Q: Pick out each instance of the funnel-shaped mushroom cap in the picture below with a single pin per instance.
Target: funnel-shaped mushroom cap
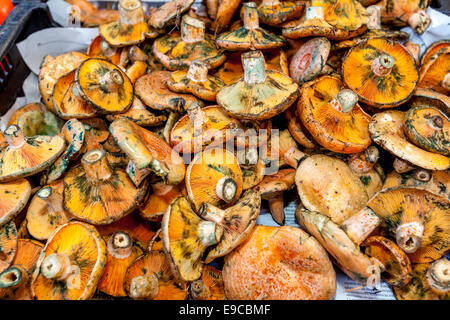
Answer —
(139, 114)
(420, 287)
(406, 12)
(97, 193)
(177, 50)
(121, 252)
(213, 177)
(397, 267)
(168, 13)
(196, 81)
(209, 286)
(14, 281)
(314, 25)
(435, 71)
(261, 94)
(147, 150)
(129, 29)
(39, 123)
(153, 91)
(14, 197)
(383, 73)
(159, 200)
(8, 244)
(67, 101)
(203, 127)
(344, 14)
(150, 278)
(35, 106)
(275, 12)
(104, 85)
(250, 36)
(46, 213)
(25, 156)
(428, 128)
(237, 222)
(279, 263)
(53, 70)
(70, 264)
(386, 129)
(338, 195)
(332, 116)
(186, 237)
(418, 220)
(348, 257)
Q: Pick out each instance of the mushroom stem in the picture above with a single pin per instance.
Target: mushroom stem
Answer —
(364, 161)
(382, 65)
(131, 12)
(374, 21)
(446, 82)
(254, 67)
(107, 50)
(414, 49)
(13, 277)
(120, 245)
(315, 11)
(198, 71)
(56, 266)
(192, 30)
(409, 236)
(211, 213)
(293, 157)
(14, 136)
(251, 19)
(226, 189)
(144, 287)
(136, 54)
(402, 166)
(52, 199)
(422, 175)
(111, 81)
(419, 21)
(199, 291)
(270, 3)
(359, 226)
(344, 101)
(276, 206)
(438, 276)
(209, 233)
(96, 165)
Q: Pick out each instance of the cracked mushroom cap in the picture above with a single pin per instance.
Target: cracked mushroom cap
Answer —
(8, 244)
(386, 129)
(152, 89)
(237, 222)
(275, 12)
(382, 73)
(150, 277)
(338, 195)
(279, 263)
(406, 12)
(345, 251)
(121, 253)
(104, 85)
(261, 94)
(203, 127)
(70, 265)
(177, 50)
(209, 286)
(213, 177)
(14, 197)
(186, 237)
(46, 213)
(15, 281)
(148, 151)
(159, 200)
(97, 193)
(250, 36)
(53, 70)
(168, 13)
(418, 220)
(332, 115)
(129, 29)
(25, 156)
(435, 71)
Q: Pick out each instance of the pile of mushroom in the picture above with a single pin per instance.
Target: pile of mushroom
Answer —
(143, 171)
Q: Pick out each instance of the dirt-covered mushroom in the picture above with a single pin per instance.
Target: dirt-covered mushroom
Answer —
(279, 263)
(25, 156)
(331, 114)
(8, 244)
(260, 94)
(159, 200)
(382, 72)
(46, 213)
(70, 265)
(386, 129)
(14, 197)
(275, 12)
(250, 36)
(148, 151)
(418, 220)
(435, 71)
(209, 286)
(97, 193)
(213, 177)
(104, 85)
(150, 277)
(168, 13)
(186, 237)
(177, 50)
(129, 29)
